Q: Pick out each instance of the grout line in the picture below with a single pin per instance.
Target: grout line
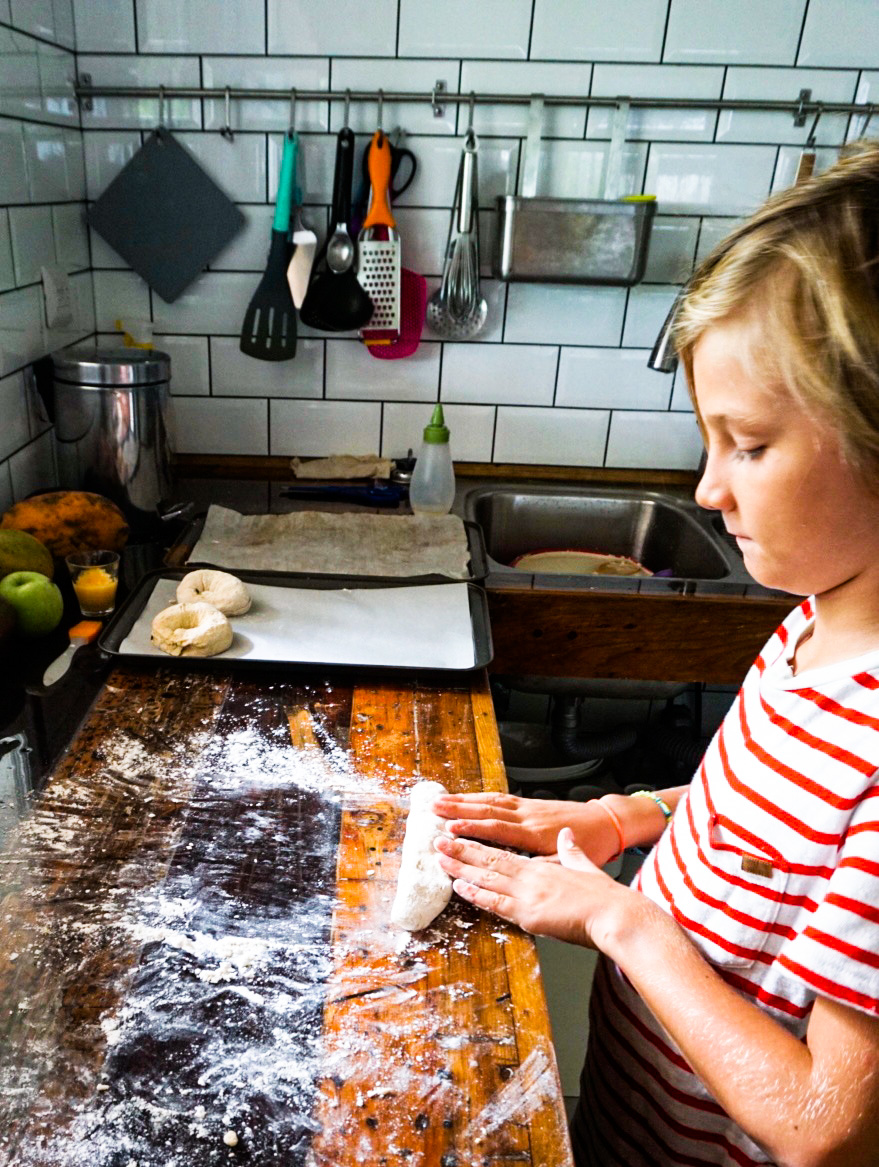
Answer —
(558, 366)
(610, 414)
(802, 32)
(774, 169)
(665, 31)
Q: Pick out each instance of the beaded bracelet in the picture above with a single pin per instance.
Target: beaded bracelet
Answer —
(614, 818)
(654, 797)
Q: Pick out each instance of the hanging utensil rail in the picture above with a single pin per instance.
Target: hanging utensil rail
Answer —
(800, 107)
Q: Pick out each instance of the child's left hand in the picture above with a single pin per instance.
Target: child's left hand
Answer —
(571, 900)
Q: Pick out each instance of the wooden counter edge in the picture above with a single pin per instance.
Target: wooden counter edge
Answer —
(548, 1126)
(624, 636)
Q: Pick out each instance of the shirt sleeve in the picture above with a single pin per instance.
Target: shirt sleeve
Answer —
(837, 951)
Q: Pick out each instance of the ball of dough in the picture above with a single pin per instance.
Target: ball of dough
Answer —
(226, 592)
(191, 630)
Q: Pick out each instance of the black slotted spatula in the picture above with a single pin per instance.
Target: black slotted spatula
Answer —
(269, 329)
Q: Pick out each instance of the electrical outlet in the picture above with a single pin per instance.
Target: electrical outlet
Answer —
(57, 296)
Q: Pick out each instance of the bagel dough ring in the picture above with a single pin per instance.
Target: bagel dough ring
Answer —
(197, 629)
(226, 592)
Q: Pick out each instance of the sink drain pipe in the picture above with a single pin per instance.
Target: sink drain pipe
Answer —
(677, 745)
(585, 745)
(579, 745)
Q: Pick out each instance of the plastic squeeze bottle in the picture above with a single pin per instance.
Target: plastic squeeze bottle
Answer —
(432, 489)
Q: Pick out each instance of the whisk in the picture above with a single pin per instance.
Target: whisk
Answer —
(464, 270)
(457, 310)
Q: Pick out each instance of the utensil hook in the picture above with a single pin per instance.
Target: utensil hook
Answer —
(292, 126)
(810, 141)
(381, 102)
(347, 108)
(227, 131)
(470, 110)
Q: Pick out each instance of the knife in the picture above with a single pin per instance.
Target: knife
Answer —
(82, 633)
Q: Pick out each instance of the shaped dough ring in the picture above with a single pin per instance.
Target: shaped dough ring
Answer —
(191, 630)
(226, 592)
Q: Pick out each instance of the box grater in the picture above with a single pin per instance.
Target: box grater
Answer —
(378, 262)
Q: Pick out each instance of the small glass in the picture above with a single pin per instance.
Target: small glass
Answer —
(95, 576)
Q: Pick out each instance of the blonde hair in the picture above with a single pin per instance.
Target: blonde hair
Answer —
(805, 266)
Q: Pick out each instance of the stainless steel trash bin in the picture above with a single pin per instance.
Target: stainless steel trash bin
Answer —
(110, 411)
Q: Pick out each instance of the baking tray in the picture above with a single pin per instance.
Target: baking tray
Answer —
(178, 553)
(125, 621)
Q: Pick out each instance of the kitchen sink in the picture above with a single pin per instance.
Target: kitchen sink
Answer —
(668, 534)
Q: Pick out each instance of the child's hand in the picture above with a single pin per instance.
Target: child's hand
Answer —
(573, 900)
(528, 824)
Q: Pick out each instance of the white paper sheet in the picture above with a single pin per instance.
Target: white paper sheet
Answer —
(427, 627)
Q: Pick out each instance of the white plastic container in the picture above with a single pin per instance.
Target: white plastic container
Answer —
(432, 489)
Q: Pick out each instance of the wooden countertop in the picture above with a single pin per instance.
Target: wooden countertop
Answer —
(194, 940)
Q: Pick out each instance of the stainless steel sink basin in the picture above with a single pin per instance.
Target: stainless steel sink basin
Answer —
(665, 533)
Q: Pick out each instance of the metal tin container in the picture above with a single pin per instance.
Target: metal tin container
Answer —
(110, 408)
(572, 241)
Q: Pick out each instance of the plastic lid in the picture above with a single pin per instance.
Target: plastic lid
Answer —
(86, 365)
(437, 432)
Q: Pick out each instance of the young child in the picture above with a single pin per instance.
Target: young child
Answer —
(735, 1012)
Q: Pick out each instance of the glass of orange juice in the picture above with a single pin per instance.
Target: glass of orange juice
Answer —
(95, 575)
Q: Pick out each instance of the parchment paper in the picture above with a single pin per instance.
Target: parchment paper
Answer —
(426, 626)
(329, 543)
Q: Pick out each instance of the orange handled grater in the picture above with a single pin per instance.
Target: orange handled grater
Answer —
(378, 264)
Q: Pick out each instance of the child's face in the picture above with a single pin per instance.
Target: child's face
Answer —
(803, 522)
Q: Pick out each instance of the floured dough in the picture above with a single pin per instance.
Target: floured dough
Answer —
(191, 630)
(226, 592)
(423, 888)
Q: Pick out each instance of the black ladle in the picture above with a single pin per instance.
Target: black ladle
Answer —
(336, 301)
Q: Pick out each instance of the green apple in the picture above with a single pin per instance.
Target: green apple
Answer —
(37, 601)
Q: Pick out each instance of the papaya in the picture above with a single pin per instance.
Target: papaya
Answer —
(65, 521)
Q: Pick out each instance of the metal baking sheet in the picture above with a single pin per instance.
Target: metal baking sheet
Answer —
(308, 621)
(178, 554)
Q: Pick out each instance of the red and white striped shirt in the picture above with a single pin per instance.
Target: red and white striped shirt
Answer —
(771, 866)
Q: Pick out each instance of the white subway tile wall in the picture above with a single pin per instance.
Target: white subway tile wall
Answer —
(558, 375)
(42, 222)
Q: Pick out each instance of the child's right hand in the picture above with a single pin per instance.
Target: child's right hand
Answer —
(528, 824)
